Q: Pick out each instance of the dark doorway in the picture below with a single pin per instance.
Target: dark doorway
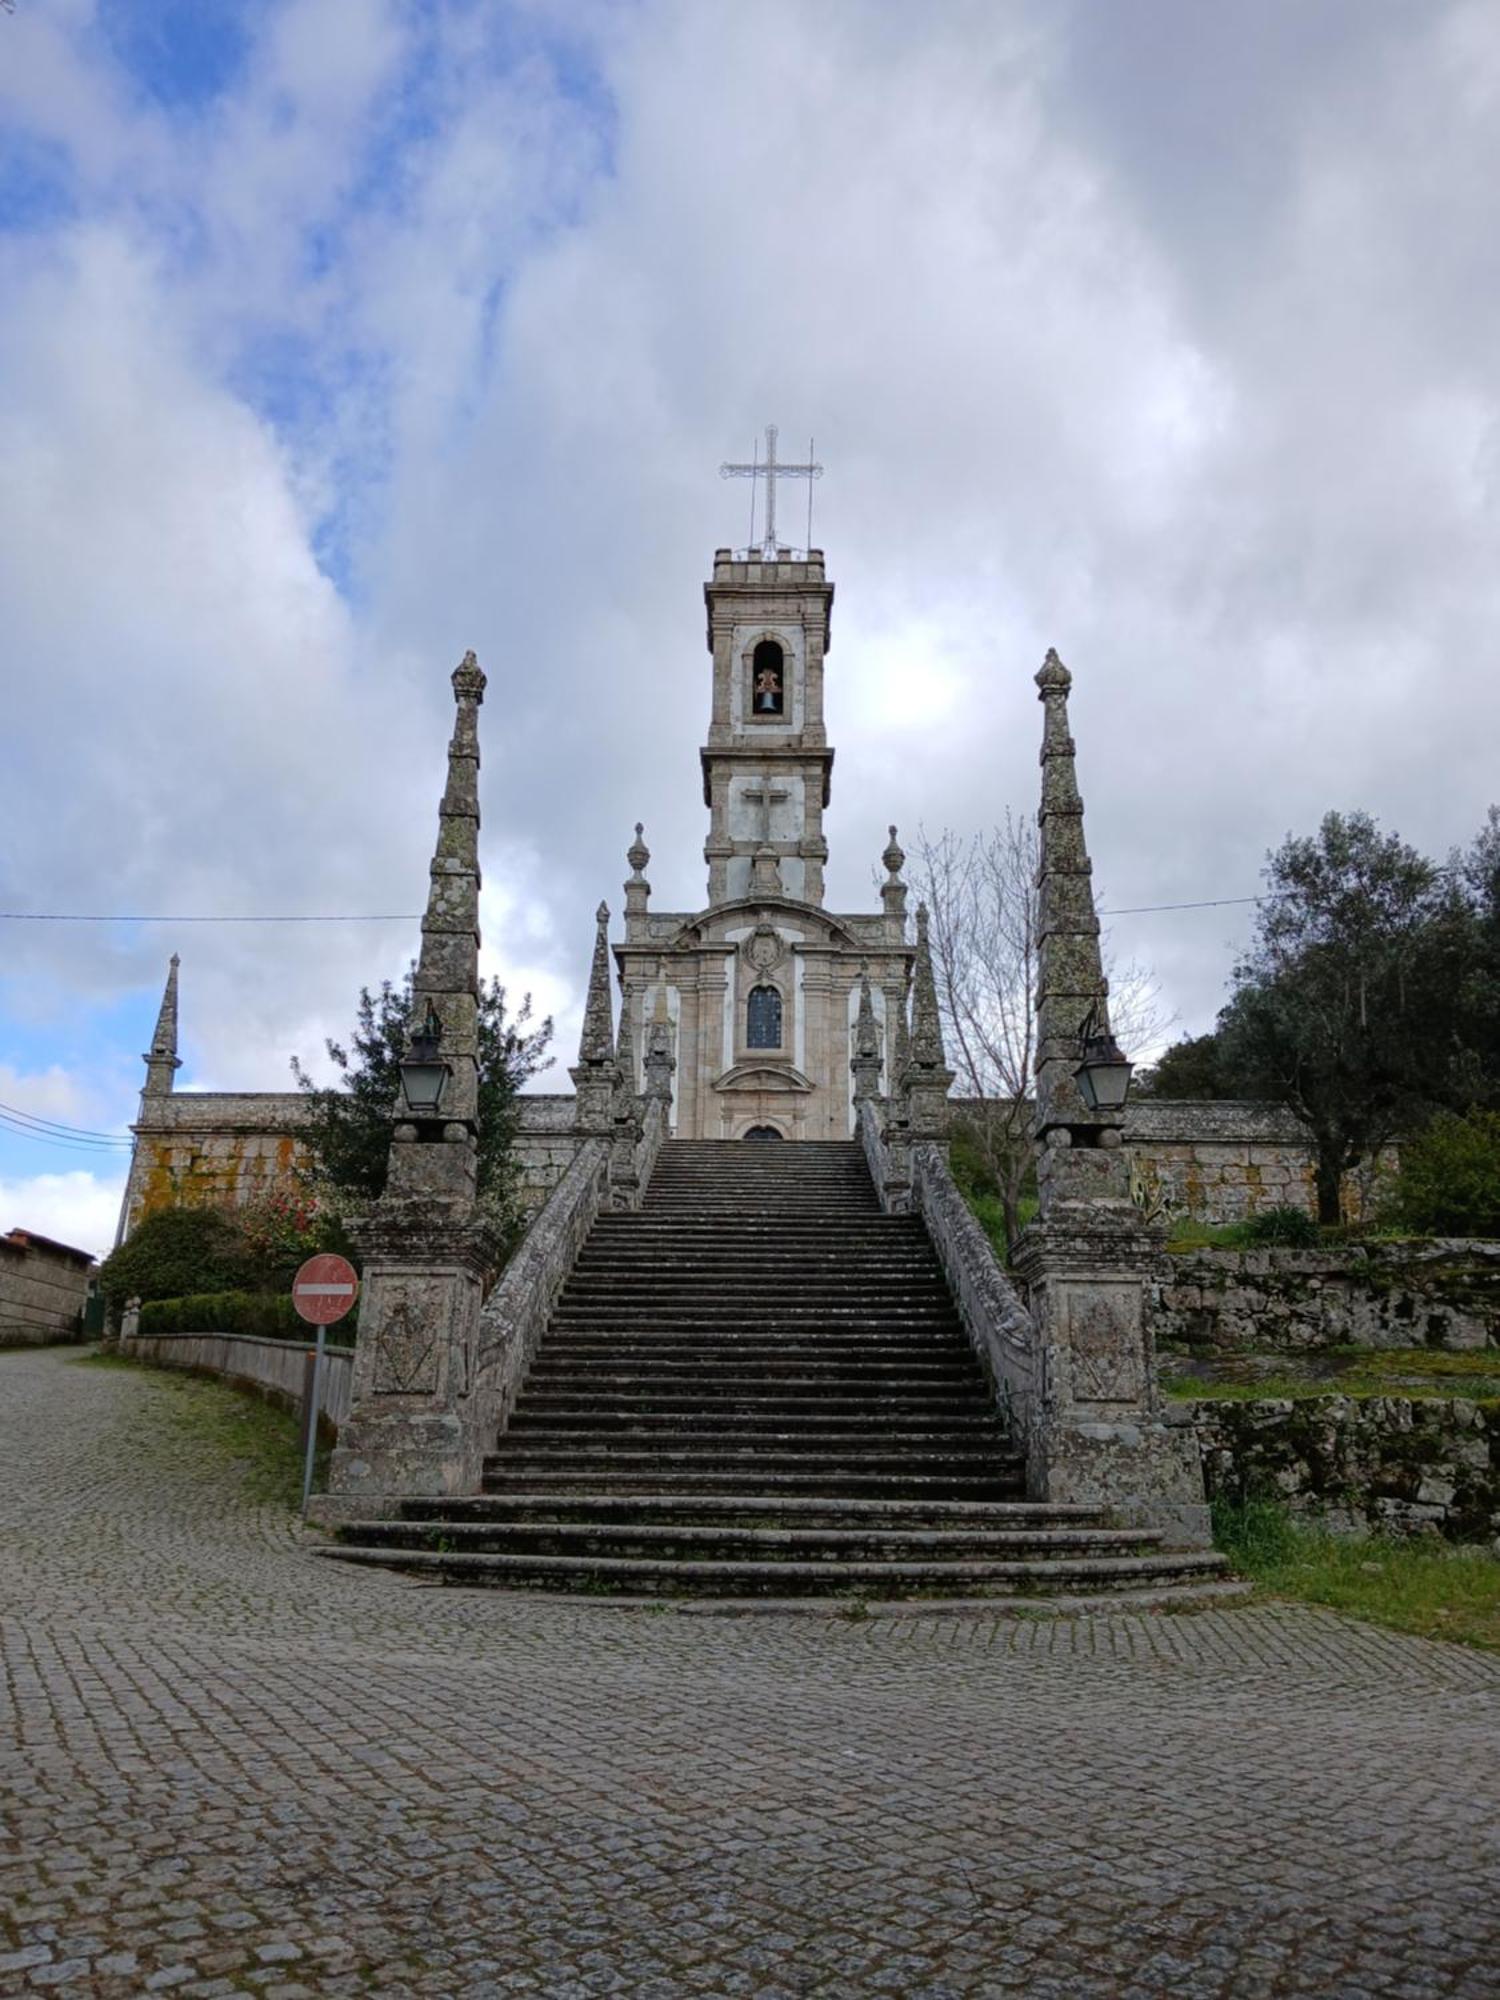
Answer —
(762, 1132)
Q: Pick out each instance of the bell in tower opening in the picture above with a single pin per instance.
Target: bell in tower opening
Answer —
(768, 674)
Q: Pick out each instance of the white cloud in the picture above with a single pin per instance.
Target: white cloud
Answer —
(1169, 347)
(80, 1208)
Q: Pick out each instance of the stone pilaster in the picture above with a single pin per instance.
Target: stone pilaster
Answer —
(424, 1248)
(1100, 1434)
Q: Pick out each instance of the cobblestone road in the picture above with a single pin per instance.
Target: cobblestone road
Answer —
(226, 1767)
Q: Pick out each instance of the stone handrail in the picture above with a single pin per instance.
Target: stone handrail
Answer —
(886, 1165)
(997, 1323)
(518, 1309)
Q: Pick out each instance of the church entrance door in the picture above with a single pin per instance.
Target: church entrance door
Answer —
(762, 1132)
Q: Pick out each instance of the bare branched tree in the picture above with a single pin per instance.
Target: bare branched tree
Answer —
(981, 897)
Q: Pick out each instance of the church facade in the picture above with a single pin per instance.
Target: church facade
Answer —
(761, 984)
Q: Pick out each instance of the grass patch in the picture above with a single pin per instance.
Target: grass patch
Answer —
(1421, 1373)
(255, 1440)
(1416, 1586)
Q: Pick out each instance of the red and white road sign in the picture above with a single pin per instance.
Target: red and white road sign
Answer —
(325, 1288)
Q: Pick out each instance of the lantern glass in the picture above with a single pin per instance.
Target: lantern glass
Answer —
(1104, 1074)
(424, 1083)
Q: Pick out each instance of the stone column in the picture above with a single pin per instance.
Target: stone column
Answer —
(1099, 1434)
(426, 1252)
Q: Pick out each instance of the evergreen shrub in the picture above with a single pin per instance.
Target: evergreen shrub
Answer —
(174, 1252)
(1290, 1228)
(270, 1315)
(1448, 1183)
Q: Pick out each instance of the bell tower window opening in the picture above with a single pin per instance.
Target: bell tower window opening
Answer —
(768, 679)
(763, 1018)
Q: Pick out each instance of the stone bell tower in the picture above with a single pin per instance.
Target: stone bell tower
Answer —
(767, 764)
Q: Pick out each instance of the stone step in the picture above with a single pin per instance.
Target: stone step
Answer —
(755, 1510)
(805, 1325)
(999, 1577)
(614, 1406)
(638, 1431)
(759, 1543)
(1000, 1483)
(753, 1459)
(828, 1356)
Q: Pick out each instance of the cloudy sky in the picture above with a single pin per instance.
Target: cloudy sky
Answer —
(337, 336)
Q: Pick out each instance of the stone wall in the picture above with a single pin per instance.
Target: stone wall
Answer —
(43, 1286)
(197, 1148)
(1402, 1294)
(219, 1148)
(1386, 1464)
(1220, 1160)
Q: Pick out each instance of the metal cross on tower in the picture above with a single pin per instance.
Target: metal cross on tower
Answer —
(771, 469)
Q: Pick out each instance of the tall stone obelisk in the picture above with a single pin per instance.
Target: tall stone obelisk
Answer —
(1098, 1430)
(426, 1250)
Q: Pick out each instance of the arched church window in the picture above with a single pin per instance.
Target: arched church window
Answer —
(768, 679)
(763, 1018)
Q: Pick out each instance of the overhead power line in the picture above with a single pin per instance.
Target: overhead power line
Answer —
(69, 1131)
(89, 917)
(115, 1149)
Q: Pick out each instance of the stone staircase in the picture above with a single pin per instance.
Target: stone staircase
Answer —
(758, 1385)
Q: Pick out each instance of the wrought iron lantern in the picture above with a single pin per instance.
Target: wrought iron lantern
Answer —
(1104, 1073)
(424, 1071)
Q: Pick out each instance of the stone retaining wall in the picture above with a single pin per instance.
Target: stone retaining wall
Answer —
(276, 1367)
(1437, 1293)
(1391, 1464)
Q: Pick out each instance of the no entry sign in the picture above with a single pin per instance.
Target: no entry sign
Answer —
(325, 1289)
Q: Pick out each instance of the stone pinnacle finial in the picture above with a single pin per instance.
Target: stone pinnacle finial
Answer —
(164, 1041)
(161, 1059)
(894, 857)
(468, 680)
(865, 1062)
(893, 889)
(638, 853)
(926, 1021)
(660, 1060)
(596, 1043)
(1052, 676)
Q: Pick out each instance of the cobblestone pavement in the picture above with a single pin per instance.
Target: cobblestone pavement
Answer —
(226, 1767)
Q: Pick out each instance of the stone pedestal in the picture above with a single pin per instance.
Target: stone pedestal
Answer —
(424, 1271)
(1100, 1434)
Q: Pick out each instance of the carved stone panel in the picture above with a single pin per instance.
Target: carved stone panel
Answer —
(412, 1325)
(1102, 1327)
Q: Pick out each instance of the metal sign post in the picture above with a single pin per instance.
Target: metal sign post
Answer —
(323, 1291)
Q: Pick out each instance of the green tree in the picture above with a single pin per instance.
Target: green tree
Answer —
(349, 1129)
(1338, 1008)
(1194, 1067)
